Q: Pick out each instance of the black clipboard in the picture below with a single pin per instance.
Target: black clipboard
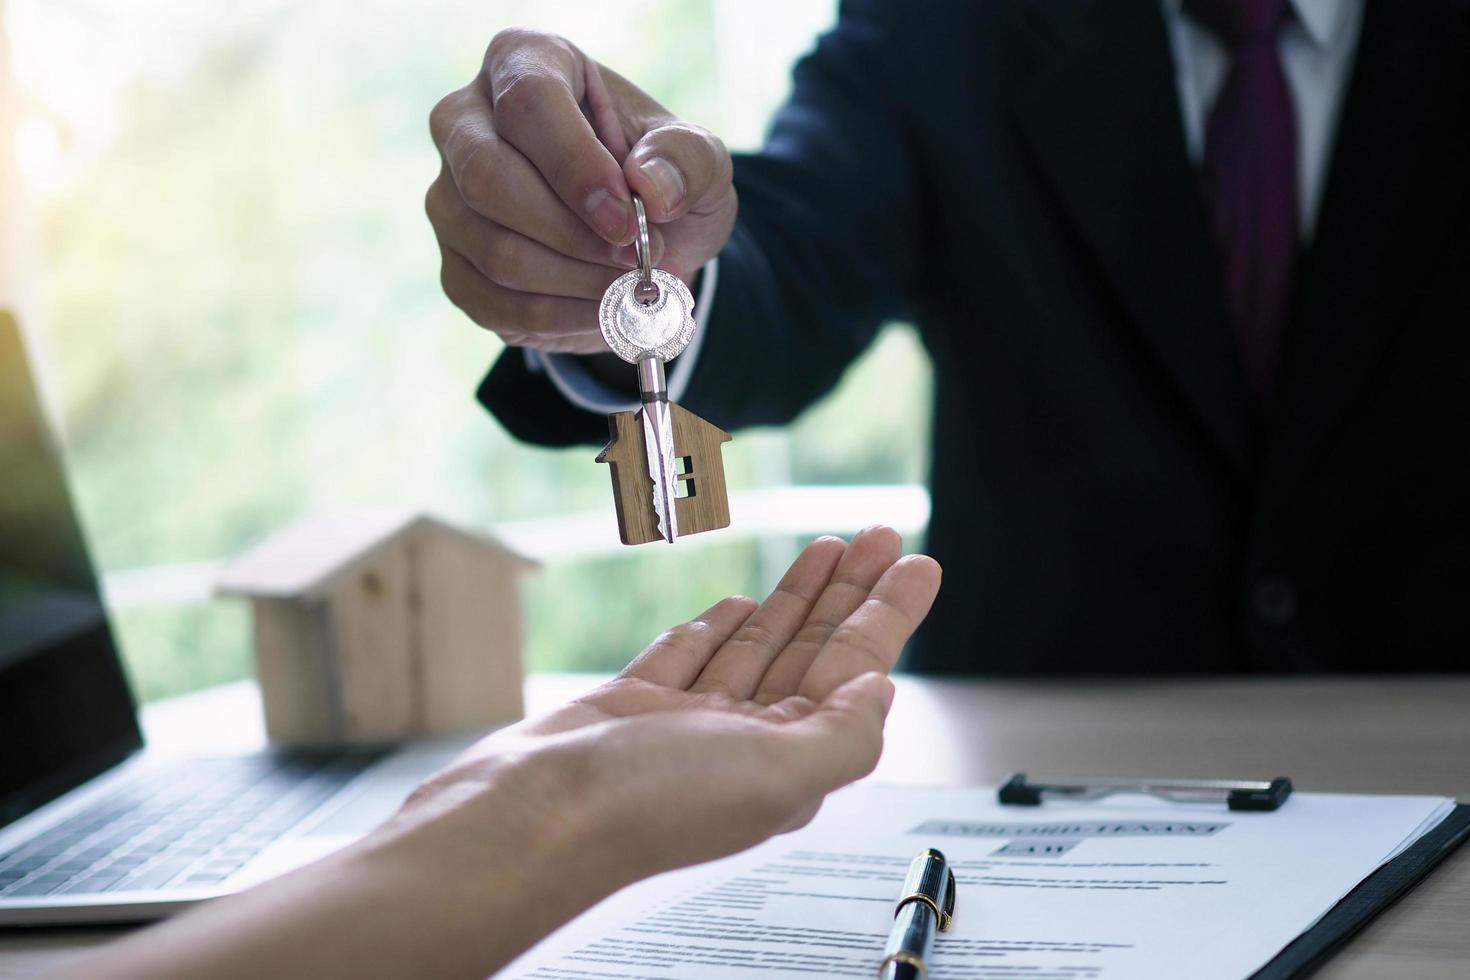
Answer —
(1304, 954)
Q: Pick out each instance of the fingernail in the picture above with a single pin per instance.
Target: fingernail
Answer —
(609, 215)
(666, 179)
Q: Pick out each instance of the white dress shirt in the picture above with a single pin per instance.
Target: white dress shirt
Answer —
(1317, 47)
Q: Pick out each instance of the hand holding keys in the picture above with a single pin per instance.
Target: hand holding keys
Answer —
(647, 318)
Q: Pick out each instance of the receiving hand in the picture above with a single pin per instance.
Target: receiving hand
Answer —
(729, 728)
(532, 207)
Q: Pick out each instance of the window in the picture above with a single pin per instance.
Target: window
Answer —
(238, 296)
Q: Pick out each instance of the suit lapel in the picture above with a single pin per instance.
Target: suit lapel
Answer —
(1101, 114)
(1396, 184)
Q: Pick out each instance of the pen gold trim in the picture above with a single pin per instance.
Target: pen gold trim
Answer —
(925, 905)
(943, 915)
(908, 959)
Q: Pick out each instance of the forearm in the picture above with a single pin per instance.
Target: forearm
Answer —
(827, 245)
(663, 767)
(455, 892)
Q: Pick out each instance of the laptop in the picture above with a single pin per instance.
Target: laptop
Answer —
(93, 827)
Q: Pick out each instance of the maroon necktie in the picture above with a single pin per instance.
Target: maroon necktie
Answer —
(1249, 184)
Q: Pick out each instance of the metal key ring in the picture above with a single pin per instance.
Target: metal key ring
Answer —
(647, 290)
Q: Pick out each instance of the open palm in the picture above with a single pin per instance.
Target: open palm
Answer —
(840, 611)
(728, 729)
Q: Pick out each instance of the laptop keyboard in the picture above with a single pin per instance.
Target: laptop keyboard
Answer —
(189, 823)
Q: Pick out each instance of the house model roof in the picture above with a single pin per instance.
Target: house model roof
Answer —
(308, 558)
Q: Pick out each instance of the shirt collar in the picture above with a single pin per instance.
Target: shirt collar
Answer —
(1321, 19)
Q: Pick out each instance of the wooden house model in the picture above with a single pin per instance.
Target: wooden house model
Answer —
(703, 503)
(374, 626)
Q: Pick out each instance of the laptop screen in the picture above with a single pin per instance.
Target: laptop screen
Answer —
(66, 713)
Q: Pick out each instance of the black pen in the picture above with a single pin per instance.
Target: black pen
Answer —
(925, 904)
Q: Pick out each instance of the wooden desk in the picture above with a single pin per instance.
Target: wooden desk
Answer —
(1355, 735)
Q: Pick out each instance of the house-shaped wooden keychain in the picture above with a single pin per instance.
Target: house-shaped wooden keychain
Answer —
(701, 504)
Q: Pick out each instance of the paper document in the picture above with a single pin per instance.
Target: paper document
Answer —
(1126, 887)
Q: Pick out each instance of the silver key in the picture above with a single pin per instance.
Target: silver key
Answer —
(647, 318)
(635, 329)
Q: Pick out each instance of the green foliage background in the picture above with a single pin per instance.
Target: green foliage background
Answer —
(242, 297)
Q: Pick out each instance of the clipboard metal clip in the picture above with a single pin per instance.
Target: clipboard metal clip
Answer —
(1237, 794)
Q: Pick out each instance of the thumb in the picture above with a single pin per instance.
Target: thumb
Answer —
(677, 166)
(842, 740)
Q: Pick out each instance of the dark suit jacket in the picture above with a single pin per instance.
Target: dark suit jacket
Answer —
(1013, 177)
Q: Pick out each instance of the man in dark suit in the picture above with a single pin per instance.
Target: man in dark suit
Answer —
(1192, 275)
